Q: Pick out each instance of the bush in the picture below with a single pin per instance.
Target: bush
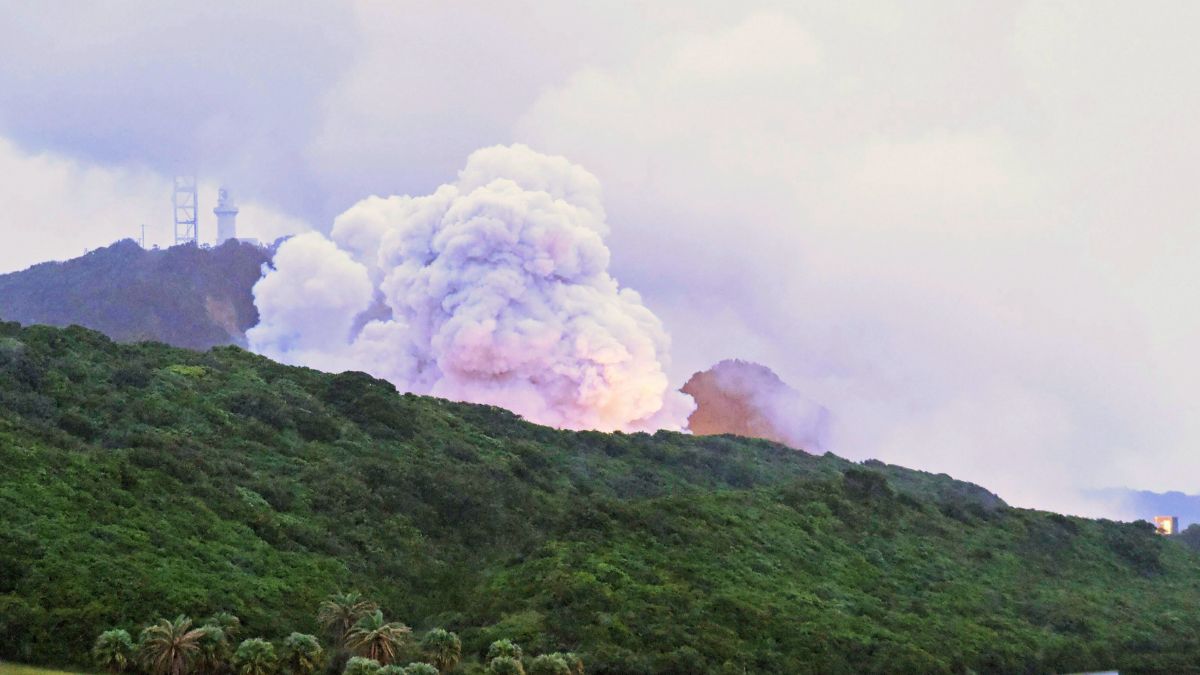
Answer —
(866, 485)
(255, 657)
(113, 650)
(442, 648)
(302, 654)
(504, 648)
(549, 664)
(359, 665)
(505, 665)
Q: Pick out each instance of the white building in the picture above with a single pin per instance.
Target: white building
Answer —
(226, 212)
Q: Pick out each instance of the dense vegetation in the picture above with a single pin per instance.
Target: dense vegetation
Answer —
(185, 296)
(141, 481)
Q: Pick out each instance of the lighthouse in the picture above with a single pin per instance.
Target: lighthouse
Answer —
(226, 212)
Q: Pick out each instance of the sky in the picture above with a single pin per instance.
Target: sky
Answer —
(967, 229)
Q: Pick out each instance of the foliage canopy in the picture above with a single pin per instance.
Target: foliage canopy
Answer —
(141, 480)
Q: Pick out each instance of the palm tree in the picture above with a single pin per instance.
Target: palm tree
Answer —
(301, 654)
(255, 657)
(341, 611)
(505, 665)
(442, 648)
(113, 650)
(167, 646)
(360, 666)
(504, 648)
(228, 623)
(375, 638)
(573, 662)
(549, 664)
(213, 650)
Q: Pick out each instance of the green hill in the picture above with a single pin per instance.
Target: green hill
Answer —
(185, 296)
(142, 481)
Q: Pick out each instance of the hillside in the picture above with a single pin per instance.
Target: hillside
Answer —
(141, 481)
(184, 296)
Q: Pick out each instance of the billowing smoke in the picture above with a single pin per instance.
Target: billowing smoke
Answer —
(493, 289)
(747, 399)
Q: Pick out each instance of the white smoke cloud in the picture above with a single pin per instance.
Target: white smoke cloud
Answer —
(313, 278)
(967, 228)
(493, 289)
(981, 264)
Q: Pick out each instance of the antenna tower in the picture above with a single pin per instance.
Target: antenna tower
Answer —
(186, 209)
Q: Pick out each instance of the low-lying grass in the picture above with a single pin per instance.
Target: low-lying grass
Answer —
(7, 668)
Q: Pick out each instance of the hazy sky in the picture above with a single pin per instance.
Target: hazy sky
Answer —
(968, 228)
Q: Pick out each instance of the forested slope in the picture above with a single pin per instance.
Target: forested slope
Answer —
(142, 481)
(185, 296)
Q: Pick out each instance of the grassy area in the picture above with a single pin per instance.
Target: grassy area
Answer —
(7, 668)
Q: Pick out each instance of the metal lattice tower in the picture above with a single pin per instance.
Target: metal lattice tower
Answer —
(186, 209)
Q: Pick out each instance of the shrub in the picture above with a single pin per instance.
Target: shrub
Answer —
(442, 648)
(301, 654)
(549, 664)
(505, 665)
(212, 652)
(865, 485)
(501, 648)
(361, 666)
(255, 657)
(113, 650)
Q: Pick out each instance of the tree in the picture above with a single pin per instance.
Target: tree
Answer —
(549, 664)
(420, 669)
(504, 648)
(340, 611)
(301, 654)
(375, 638)
(392, 670)
(166, 647)
(573, 662)
(442, 648)
(361, 666)
(255, 657)
(212, 654)
(113, 650)
(505, 665)
(229, 624)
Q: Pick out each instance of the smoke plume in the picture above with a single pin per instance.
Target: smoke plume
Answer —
(747, 399)
(493, 289)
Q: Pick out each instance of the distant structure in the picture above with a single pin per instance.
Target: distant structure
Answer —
(1167, 525)
(186, 208)
(226, 212)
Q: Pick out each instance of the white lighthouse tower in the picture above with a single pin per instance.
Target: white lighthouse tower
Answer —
(226, 217)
